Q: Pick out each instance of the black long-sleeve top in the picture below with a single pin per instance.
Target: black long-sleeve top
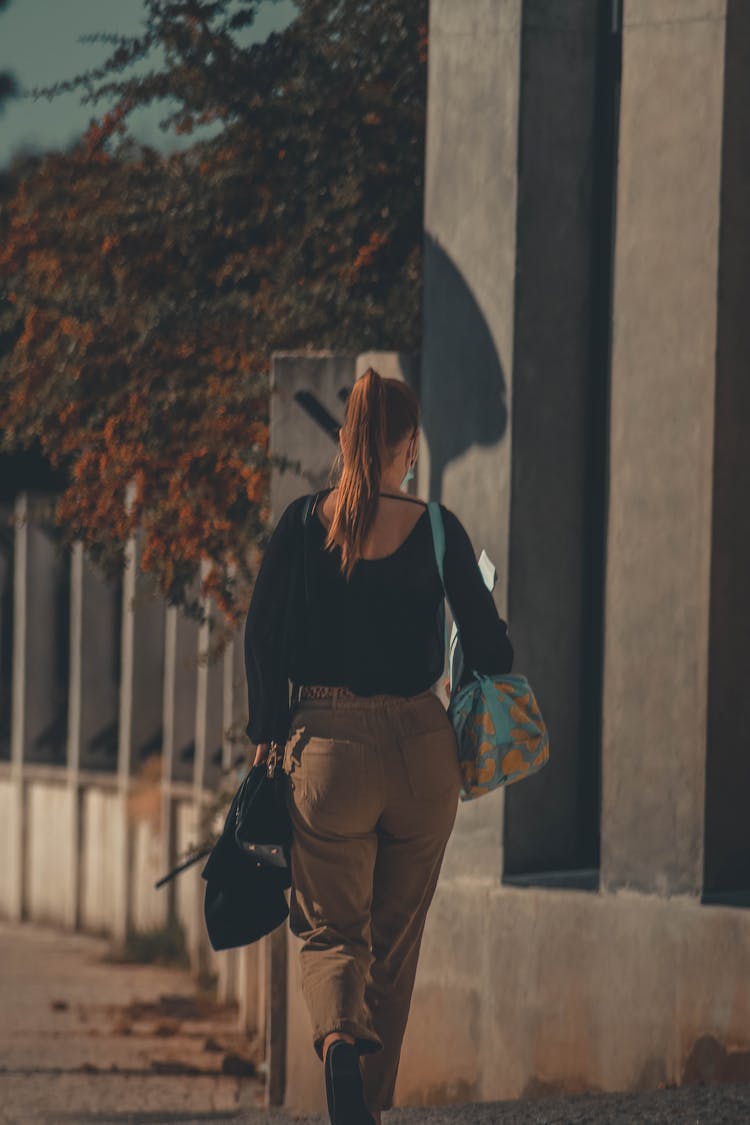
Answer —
(380, 632)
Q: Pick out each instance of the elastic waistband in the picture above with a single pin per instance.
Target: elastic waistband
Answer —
(325, 695)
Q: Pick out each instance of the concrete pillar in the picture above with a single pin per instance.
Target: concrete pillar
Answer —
(662, 445)
(469, 288)
(17, 831)
(209, 704)
(168, 826)
(248, 989)
(140, 704)
(209, 755)
(235, 967)
(6, 629)
(122, 919)
(201, 700)
(75, 694)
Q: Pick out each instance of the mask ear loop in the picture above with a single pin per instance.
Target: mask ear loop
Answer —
(410, 471)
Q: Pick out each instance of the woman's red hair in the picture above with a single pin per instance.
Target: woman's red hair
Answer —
(380, 412)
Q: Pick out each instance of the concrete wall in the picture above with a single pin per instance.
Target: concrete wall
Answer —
(661, 446)
(470, 248)
(9, 835)
(533, 1003)
(515, 993)
(102, 842)
(49, 820)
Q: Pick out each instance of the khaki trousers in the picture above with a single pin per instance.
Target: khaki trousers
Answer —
(373, 793)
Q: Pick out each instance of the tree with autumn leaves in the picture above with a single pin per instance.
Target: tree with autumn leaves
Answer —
(143, 294)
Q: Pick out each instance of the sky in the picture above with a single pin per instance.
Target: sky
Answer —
(39, 45)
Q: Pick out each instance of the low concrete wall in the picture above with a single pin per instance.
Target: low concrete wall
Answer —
(49, 825)
(526, 991)
(9, 813)
(148, 905)
(529, 991)
(101, 845)
(190, 886)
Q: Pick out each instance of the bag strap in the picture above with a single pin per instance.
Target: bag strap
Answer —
(438, 536)
(438, 543)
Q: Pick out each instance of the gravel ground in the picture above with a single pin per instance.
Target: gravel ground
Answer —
(694, 1105)
(727, 1104)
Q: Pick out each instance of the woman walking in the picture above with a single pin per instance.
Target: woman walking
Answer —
(371, 754)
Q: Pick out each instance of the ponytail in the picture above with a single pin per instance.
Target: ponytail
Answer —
(363, 438)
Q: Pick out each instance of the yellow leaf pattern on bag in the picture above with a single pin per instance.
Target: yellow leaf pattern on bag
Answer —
(490, 757)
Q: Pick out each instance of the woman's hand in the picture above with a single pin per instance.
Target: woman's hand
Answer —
(261, 753)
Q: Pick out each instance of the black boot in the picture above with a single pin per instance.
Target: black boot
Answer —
(346, 1102)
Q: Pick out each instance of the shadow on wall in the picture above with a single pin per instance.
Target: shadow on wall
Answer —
(464, 396)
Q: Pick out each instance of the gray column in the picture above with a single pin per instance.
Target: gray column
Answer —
(140, 704)
(661, 446)
(201, 702)
(17, 832)
(6, 628)
(168, 818)
(469, 287)
(75, 694)
(248, 988)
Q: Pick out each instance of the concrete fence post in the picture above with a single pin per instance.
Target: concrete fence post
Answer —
(17, 857)
(168, 839)
(121, 919)
(73, 750)
(231, 978)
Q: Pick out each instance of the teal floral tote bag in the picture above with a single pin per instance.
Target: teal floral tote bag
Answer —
(500, 732)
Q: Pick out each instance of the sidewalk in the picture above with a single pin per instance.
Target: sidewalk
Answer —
(85, 1041)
